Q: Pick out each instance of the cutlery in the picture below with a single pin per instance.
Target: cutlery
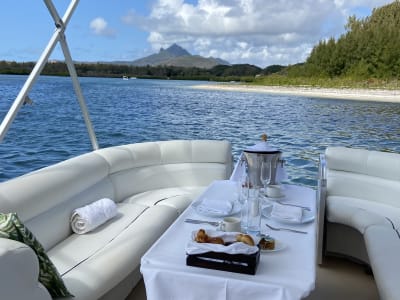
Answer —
(285, 229)
(303, 207)
(192, 221)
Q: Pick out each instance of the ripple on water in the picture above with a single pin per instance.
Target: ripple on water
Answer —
(133, 111)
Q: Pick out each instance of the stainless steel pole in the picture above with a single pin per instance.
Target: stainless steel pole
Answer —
(58, 36)
(71, 67)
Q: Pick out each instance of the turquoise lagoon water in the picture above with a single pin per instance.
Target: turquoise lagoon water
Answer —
(131, 111)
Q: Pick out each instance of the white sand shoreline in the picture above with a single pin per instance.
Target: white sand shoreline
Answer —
(378, 95)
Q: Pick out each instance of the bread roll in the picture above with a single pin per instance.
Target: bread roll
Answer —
(201, 236)
(245, 238)
(215, 240)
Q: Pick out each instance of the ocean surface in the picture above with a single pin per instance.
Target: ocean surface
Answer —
(131, 111)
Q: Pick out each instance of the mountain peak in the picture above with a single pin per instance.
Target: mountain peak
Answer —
(175, 55)
(175, 50)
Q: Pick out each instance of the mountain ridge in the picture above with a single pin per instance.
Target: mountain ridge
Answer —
(177, 56)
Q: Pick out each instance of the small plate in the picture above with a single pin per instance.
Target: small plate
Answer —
(307, 217)
(278, 247)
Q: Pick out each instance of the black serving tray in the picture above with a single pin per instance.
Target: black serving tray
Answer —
(238, 263)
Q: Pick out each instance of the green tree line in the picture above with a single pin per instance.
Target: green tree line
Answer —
(370, 48)
(239, 72)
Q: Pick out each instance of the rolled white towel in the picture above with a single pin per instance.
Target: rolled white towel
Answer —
(87, 218)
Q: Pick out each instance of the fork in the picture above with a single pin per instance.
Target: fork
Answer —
(284, 229)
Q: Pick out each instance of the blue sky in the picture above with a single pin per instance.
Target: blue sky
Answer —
(260, 32)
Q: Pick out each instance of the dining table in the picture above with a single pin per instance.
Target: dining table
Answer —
(287, 272)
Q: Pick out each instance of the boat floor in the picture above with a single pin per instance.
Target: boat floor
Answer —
(337, 278)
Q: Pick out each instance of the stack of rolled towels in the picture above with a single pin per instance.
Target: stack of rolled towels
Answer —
(89, 217)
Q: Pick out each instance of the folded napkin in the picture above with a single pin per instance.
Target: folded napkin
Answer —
(194, 247)
(87, 218)
(215, 205)
(288, 213)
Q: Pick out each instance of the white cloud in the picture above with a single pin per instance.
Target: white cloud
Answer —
(99, 26)
(248, 31)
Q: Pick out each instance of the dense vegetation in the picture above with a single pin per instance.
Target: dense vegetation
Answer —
(366, 55)
(242, 72)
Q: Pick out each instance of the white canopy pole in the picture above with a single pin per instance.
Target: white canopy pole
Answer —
(71, 67)
(58, 36)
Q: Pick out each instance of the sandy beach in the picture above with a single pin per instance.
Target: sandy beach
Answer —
(378, 95)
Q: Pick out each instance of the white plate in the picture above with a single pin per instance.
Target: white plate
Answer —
(307, 217)
(278, 247)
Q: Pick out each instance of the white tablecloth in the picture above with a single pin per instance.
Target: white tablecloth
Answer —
(285, 274)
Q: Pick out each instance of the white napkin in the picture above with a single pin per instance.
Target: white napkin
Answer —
(194, 247)
(87, 218)
(285, 212)
(215, 205)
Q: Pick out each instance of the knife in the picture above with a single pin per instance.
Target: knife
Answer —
(193, 221)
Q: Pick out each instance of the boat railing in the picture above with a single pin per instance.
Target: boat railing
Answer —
(57, 37)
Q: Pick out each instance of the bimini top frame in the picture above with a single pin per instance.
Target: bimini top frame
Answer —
(58, 36)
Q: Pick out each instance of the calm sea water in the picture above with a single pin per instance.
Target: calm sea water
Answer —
(130, 111)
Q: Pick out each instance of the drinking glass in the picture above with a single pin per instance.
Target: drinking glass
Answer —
(243, 196)
(253, 212)
(265, 174)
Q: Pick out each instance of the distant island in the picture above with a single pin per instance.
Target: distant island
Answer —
(367, 55)
(177, 56)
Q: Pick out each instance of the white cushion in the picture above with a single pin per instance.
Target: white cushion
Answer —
(66, 255)
(343, 212)
(19, 267)
(139, 180)
(167, 152)
(362, 186)
(37, 192)
(372, 163)
(383, 245)
(119, 252)
(360, 213)
(177, 197)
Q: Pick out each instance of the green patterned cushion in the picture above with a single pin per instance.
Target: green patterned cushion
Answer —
(12, 228)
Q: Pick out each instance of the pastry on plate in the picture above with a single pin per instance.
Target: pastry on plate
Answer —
(267, 243)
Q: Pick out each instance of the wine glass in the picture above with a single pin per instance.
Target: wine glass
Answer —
(265, 175)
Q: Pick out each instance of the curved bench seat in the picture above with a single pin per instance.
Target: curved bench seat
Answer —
(383, 245)
(151, 183)
(360, 214)
(362, 211)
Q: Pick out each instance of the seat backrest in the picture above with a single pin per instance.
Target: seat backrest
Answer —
(363, 174)
(45, 199)
(137, 168)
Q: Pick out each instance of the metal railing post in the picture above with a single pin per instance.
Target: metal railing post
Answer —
(58, 36)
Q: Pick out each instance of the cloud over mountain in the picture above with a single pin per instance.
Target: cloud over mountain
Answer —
(254, 31)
